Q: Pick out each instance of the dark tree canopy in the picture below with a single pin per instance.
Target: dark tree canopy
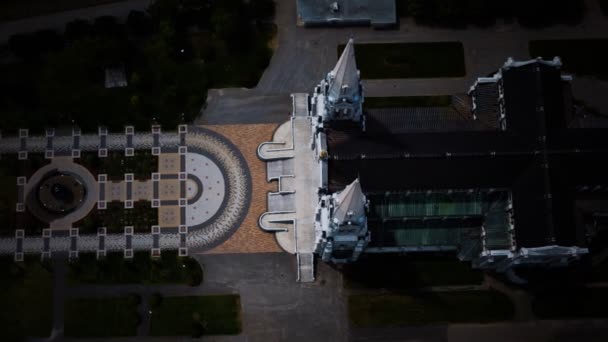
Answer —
(171, 55)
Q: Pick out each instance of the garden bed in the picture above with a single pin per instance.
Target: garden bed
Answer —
(101, 317)
(453, 307)
(8, 203)
(10, 165)
(116, 164)
(409, 60)
(142, 269)
(116, 217)
(196, 316)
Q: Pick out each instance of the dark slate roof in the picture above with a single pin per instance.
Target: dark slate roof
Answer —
(538, 158)
(391, 174)
(487, 109)
(420, 119)
(534, 100)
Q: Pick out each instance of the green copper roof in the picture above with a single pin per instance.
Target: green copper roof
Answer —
(440, 218)
(422, 204)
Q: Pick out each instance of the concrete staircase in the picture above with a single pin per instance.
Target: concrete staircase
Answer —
(306, 267)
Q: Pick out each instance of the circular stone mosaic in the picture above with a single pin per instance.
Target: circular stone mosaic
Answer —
(218, 188)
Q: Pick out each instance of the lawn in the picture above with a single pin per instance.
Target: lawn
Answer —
(101, 317)
(584, 57)
(114, 269)
(398, 272)
(196, 316)
(10, 165)
(26, 294)
(407, 101)
(8, 202)
(10, 169)
(460, 14)
(453, 307)
(571, 303)
(17, 9)
(409, 60)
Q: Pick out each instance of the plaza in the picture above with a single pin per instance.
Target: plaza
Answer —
(200, 191)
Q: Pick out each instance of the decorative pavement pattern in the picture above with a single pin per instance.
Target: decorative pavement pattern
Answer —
(249, 238)
(213, 180)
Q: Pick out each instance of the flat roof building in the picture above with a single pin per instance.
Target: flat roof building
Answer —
(375, 13)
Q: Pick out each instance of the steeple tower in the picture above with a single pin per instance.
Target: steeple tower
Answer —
(343, 89)
(350, 205)
(341, 224)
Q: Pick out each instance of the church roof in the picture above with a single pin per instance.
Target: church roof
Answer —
(350, 203)
(345, 76)
(537, 158)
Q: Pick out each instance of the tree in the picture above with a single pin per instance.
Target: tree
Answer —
(78, 29)
(139, 23)
(25, 46)
(108, 26)
(49, 40)
(164, 10)
(262, 9)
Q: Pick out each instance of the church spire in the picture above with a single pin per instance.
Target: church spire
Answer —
(344, 78)
(343, 88)
(350, 205)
